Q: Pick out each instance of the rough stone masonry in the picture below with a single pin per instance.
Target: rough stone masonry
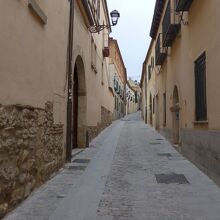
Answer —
(31, 149)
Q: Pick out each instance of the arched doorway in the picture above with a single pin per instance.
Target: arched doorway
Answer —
(175, 109)
(79, 105)
(150, 110)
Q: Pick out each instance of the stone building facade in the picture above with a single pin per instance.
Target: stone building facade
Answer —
(48, 57)
(135, 86)
(131, 104)
(182, 93)
(93, 97)
(32, 95)
(118, 79)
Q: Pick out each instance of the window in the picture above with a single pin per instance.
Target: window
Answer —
(149, 72)
(102, 78)
(136, 97)
(200, 88)
(93, 56)
(152, 62)
(115, 103)
(164, 109)
(153, 105)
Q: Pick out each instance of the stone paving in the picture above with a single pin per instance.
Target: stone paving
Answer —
(120, 178)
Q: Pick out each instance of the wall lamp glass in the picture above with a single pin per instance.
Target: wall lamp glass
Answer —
(114, 17)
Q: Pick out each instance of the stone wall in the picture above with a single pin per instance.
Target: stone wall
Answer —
(106, 120)
(166, 132)
(203, 149)
(106, 117)
(31, 149)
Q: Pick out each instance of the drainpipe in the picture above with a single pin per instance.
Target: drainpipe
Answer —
(69, 90)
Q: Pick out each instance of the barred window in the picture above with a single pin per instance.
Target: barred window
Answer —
(164, 109)
(149, 72)
(200, 88)
(93, 56)
(152, 62)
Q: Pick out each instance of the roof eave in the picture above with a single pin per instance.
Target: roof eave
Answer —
(158, 10)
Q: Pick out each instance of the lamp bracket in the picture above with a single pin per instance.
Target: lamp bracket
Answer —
(98, 28)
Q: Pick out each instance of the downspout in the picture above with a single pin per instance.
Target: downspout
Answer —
(69, 90)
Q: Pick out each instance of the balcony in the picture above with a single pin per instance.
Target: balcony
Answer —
(160, 51)
(171, 24)
(183, 5)
(115, 85)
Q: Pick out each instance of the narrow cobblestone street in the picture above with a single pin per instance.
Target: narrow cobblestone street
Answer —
(129, 172)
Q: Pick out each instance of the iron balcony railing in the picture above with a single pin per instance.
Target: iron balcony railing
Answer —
(160, 51)
(183, 5)
(171, 24)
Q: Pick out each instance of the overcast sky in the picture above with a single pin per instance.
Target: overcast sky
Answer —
(132, 32)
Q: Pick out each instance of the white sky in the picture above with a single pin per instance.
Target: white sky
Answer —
(132, 32)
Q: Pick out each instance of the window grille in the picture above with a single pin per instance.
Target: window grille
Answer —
(200, 88)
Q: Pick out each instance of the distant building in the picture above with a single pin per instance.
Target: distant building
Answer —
(118, 79)
(133, 95)
(134, 84)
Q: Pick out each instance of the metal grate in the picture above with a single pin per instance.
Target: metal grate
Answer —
(81, 161)
(154, 143)
(61, 196)
(171, 178)
(76, 167)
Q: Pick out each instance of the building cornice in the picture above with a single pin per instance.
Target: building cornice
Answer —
(158, 10)
(86, 12)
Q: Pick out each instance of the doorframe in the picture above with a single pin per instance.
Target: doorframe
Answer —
(75, 93)
(175, 110)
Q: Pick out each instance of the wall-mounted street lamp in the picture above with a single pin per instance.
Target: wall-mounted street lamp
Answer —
(114, 17)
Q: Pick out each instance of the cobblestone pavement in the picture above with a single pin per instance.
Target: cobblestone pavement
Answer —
(130, 172)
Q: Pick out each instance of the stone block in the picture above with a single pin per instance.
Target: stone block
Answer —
(31, 147)
(23, 156)
(29, 165)
(202, 148)
(17, 195)
(28, 188)
(3, 209)
(8, 173)
(22, 178)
